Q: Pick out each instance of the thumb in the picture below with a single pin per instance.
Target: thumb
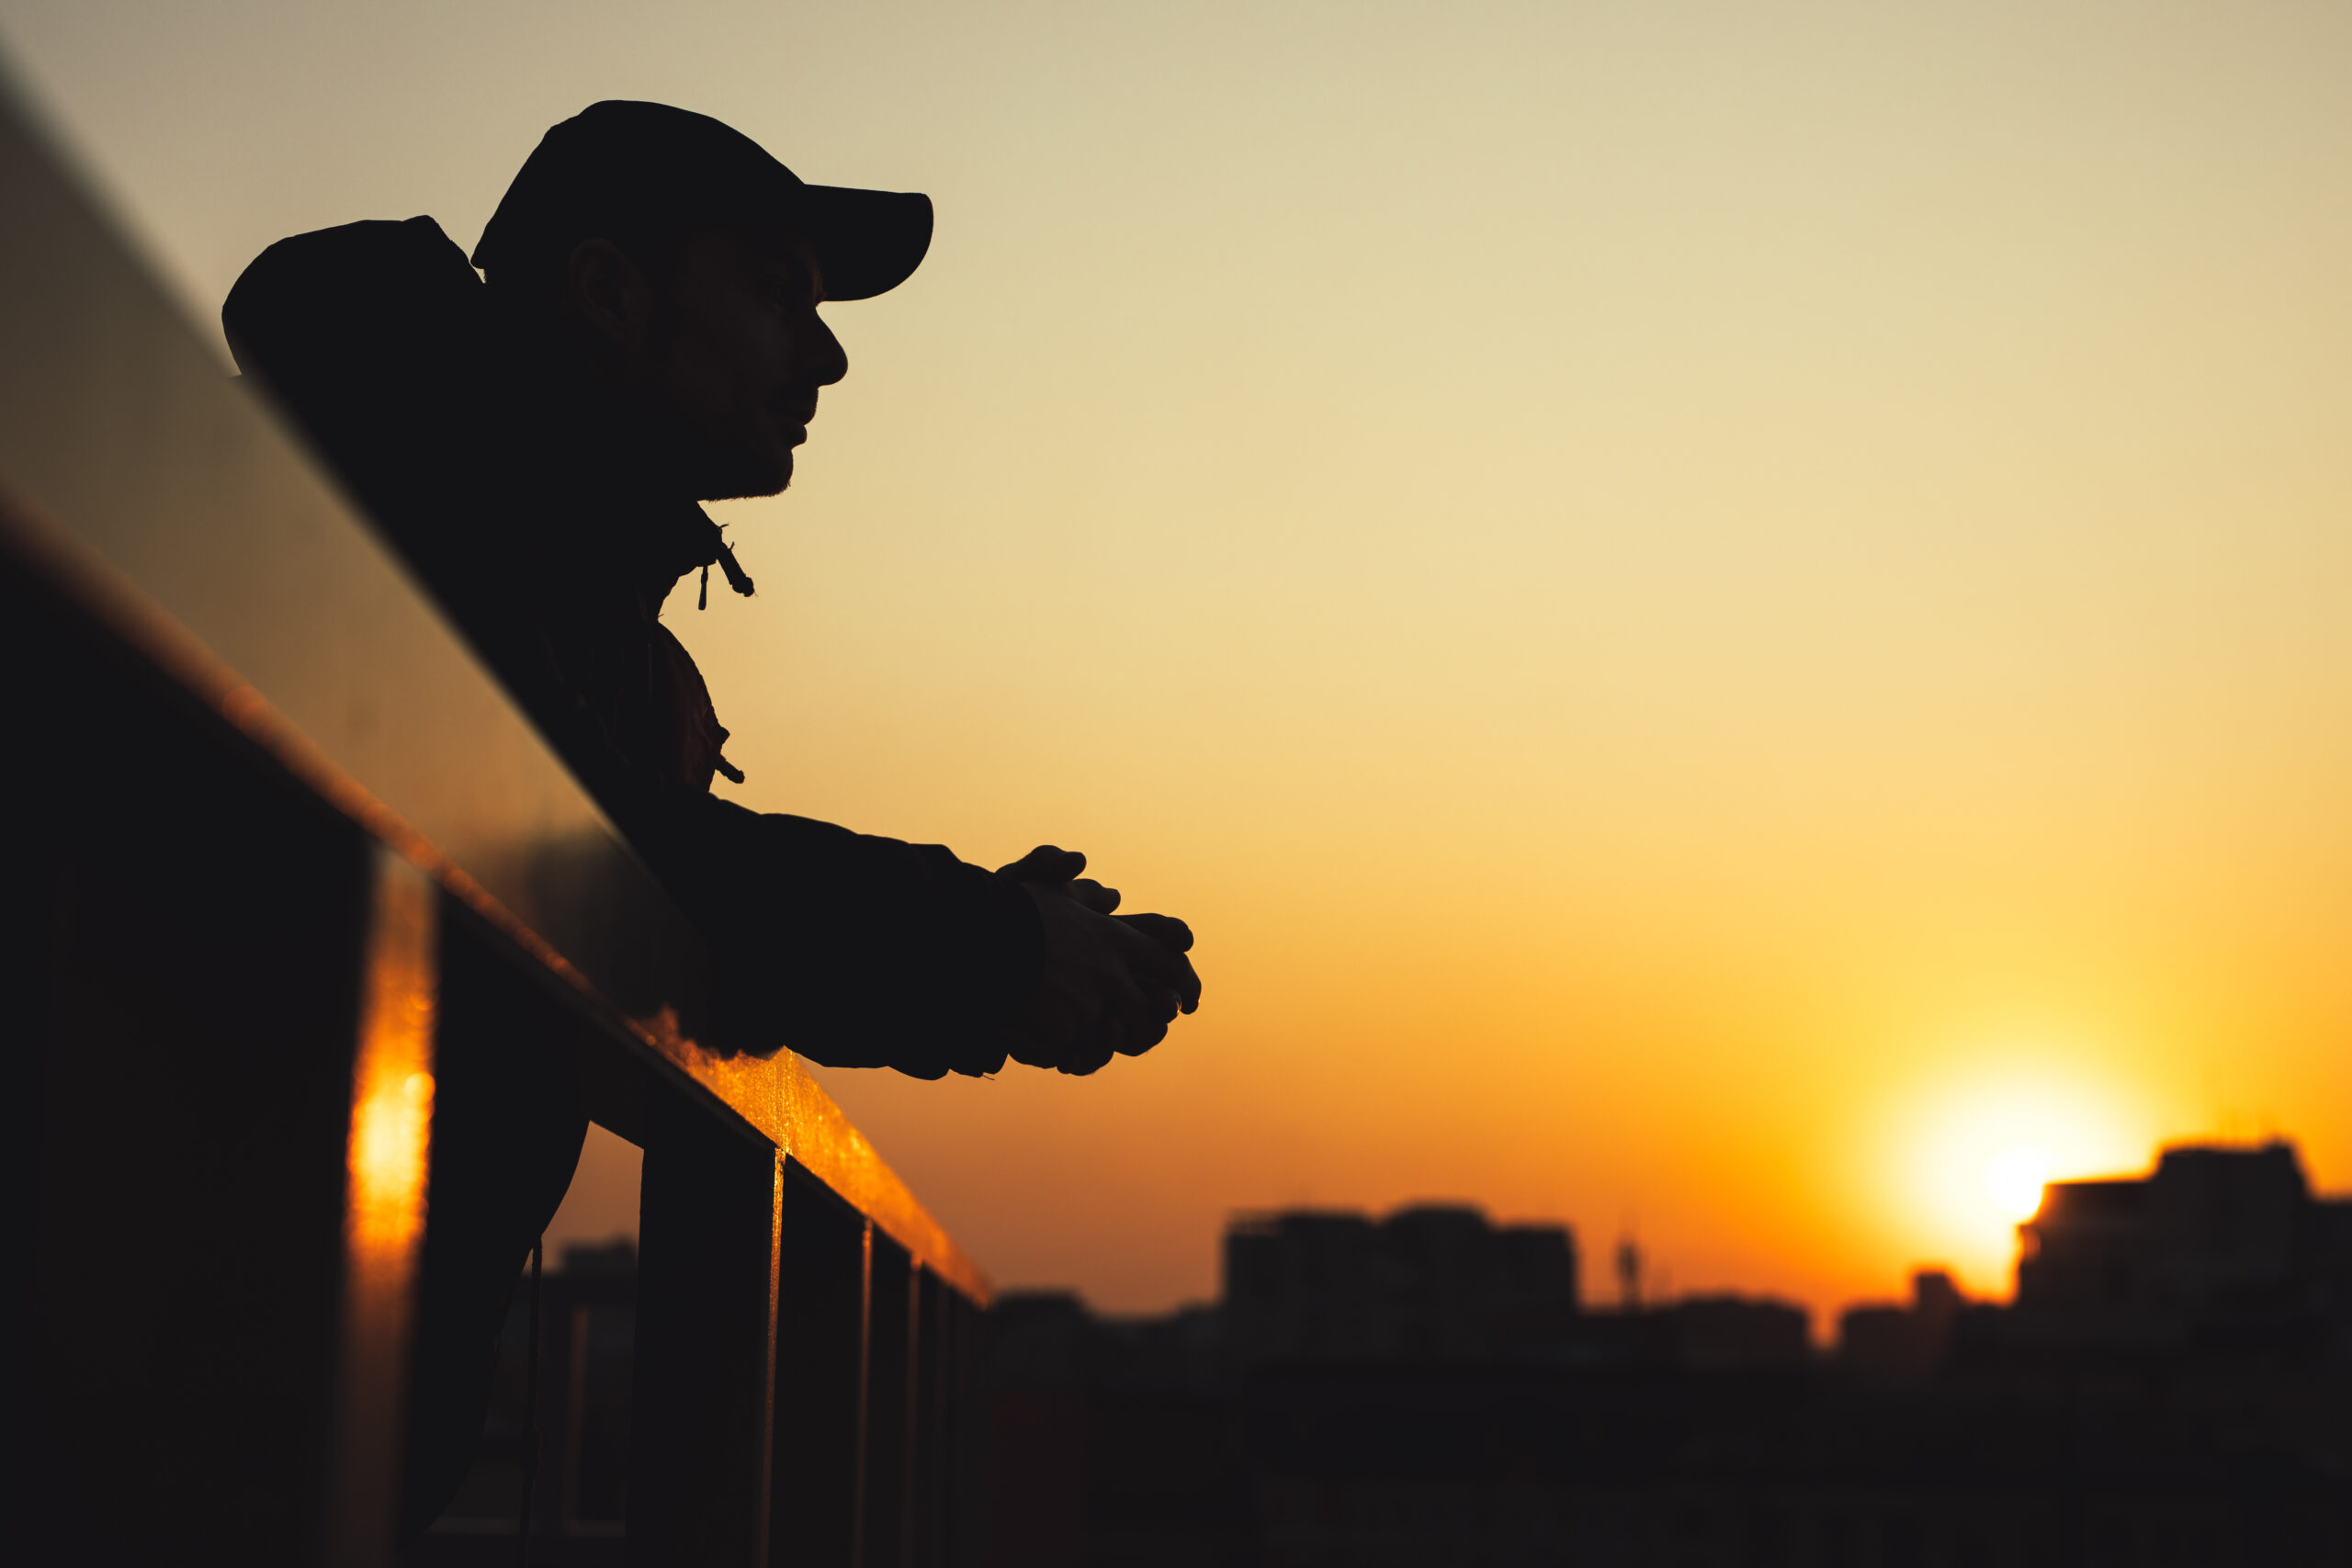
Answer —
(1046, 863)
(1166, 930)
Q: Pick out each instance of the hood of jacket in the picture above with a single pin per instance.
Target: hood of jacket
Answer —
(454, 426)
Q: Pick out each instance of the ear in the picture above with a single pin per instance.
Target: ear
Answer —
(612, 294)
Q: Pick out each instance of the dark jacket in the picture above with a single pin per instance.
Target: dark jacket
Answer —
(515, 499)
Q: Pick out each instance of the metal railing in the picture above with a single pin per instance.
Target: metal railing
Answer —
(276, 842)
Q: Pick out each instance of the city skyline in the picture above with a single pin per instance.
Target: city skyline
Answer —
(1597, 1262)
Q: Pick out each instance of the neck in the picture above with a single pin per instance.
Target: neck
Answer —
(623, 510)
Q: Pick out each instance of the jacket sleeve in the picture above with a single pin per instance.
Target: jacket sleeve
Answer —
(852, 949)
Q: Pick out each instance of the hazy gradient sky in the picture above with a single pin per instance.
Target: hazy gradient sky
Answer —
(1722, 613)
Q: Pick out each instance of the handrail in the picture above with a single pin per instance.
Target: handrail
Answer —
(268, 598)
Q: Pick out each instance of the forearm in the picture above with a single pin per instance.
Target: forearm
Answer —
(850, 949)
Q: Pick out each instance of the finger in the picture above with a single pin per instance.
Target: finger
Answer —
(1093, 1061)
(1030, 1051)
(1138, 1041)
(1093, 1049)
(1045, 1035)
(1166, 930)
(1094, 896)
(1163, 968)
(1114, 1037)
(1046, 863)
(1188, 989)
(1140, 1007)
(1134, 1008)
(1021, 867)
(1147, 1032)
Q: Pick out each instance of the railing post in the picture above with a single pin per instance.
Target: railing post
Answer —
(929, 1442)
(383, 1205)
(703, 1417)
(889, 1387)
(821, 1378)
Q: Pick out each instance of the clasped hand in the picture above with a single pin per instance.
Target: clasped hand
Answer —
(1111, 983)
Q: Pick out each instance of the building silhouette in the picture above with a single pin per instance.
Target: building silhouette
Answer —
(2221, 1251)
(2171, 1385)
(1430, 1283)
(1905, 1342)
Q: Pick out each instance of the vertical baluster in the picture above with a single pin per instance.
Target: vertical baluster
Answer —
(910, 1477)
(534, 1438)
(820, 1382)
(888, 1389)
(859, 1453)
(967, 1430)
(703, 1421)
(930, 1491)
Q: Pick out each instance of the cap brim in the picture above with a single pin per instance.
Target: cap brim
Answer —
(867, 242)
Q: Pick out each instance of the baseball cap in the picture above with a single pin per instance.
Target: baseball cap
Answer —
(621, 168)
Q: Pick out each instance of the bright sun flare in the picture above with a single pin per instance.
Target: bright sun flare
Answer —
(1977, 1150)
(2013, 1180)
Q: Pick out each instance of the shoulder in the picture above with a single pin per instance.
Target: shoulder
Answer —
(310, 304)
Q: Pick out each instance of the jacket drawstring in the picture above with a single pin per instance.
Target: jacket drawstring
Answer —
(737, 578)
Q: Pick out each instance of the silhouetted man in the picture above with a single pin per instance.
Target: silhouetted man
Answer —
(643, 336)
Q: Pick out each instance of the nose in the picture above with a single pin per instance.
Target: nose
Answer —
(825, 360)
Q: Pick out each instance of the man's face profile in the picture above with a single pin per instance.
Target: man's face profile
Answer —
(727, 347)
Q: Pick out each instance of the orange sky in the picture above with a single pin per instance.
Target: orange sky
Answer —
(1722, 615)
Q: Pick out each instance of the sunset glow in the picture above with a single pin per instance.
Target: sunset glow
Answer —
(1728, 619)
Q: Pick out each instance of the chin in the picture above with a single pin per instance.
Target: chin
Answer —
(749, 474)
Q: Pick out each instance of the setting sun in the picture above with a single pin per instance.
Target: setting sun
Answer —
(2014, 1179)
(1976, 1150)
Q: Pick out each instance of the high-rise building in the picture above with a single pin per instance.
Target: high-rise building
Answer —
(1431, 1283)
(2221, 1250)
